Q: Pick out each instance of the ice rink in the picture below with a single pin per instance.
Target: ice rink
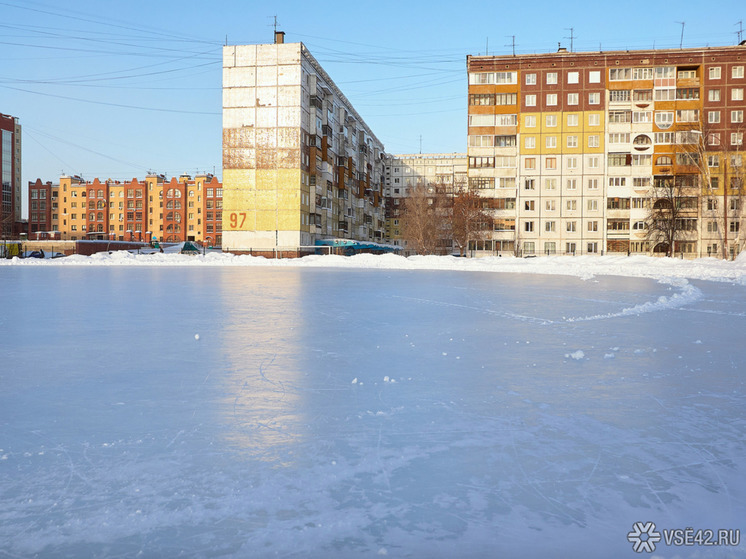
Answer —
(173, 411)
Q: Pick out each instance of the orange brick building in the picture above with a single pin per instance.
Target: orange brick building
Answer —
(138, 210)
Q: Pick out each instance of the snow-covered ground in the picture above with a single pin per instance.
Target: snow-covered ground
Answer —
(225, 406)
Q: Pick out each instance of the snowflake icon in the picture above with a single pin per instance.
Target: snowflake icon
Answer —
(643, 537)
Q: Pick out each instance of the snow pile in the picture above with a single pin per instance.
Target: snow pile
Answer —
(584, 267)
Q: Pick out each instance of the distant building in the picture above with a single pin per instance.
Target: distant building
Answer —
(10, 175)
(138, 210)
(299, 162)
(572, 148)
(405, 171)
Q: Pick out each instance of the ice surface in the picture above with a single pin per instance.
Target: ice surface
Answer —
(277, 432)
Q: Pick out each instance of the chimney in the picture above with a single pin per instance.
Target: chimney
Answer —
(279, 37)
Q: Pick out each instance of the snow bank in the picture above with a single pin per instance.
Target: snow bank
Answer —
(584, 267)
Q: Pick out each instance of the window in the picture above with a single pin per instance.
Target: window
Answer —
(713, 161)
(530, 100)
(639, 226)
(529, 184)
(594, 141)
(664, 119)
(505, 141)
(736, 116)
(687, 93)
(572, 184)
(620, 116)
(571, 205)
(572, 141)
(550, 205)
(529, 163)
(572, 98)
(713, 117)
(734, 226)
(594, 98)
(688, 115)
(712, 226)
(550, 163)
(551, 142)
(592, 184)
(736, 138)
(506, 98)
(665, 94)
(594, 119)
(593, 226)
(642, 95)
(530, 121)
(592, 205)
(528, 226)
(551, 121)
(687, 74)
(736, 94)
(619, 138)
(571, 226)
(715, 72)
(550, 184)
(713, 95)
(529, 142)
(507, 182)
(617, 74)
(617, 181)
(736, 72)
(551, 77)
(592, 248)
(642, 116)
(573, 77)
(642, 74)
(529, 247)
(572, 120)
(594, 76)
(619, 159)
(572, 162)
(528, 205)
(664, 160)
(481, 99)
(530, 79)
(506, 120)
(619, 95)
(551, 98)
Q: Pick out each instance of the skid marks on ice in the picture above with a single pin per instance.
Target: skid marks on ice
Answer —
(503, 314)
(687, 295)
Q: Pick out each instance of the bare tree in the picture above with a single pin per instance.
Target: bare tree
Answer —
(469, 220)
(425, 218)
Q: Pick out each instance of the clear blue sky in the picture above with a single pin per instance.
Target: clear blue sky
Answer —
(116, 89)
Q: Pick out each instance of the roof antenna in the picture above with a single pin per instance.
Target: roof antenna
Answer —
(681, 42)
(571, 37)
(740, 31)
(513, 44)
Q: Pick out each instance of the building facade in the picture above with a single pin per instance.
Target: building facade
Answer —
(574, 149)
(405, 171)
(10, 176)
(138, 210)
(299, 162)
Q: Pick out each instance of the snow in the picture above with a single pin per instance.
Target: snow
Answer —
(357, 407)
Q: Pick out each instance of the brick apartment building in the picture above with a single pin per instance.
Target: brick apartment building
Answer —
(573, 147)
(139, 210)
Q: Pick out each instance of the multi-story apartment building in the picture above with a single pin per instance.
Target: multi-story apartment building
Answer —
(138, 210)
(406, 171)
(10, 175)
(299, 163)
(575, 148)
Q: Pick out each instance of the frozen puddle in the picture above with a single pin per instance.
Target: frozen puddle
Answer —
(303, 412)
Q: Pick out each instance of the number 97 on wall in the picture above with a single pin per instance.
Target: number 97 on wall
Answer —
(236, 220)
